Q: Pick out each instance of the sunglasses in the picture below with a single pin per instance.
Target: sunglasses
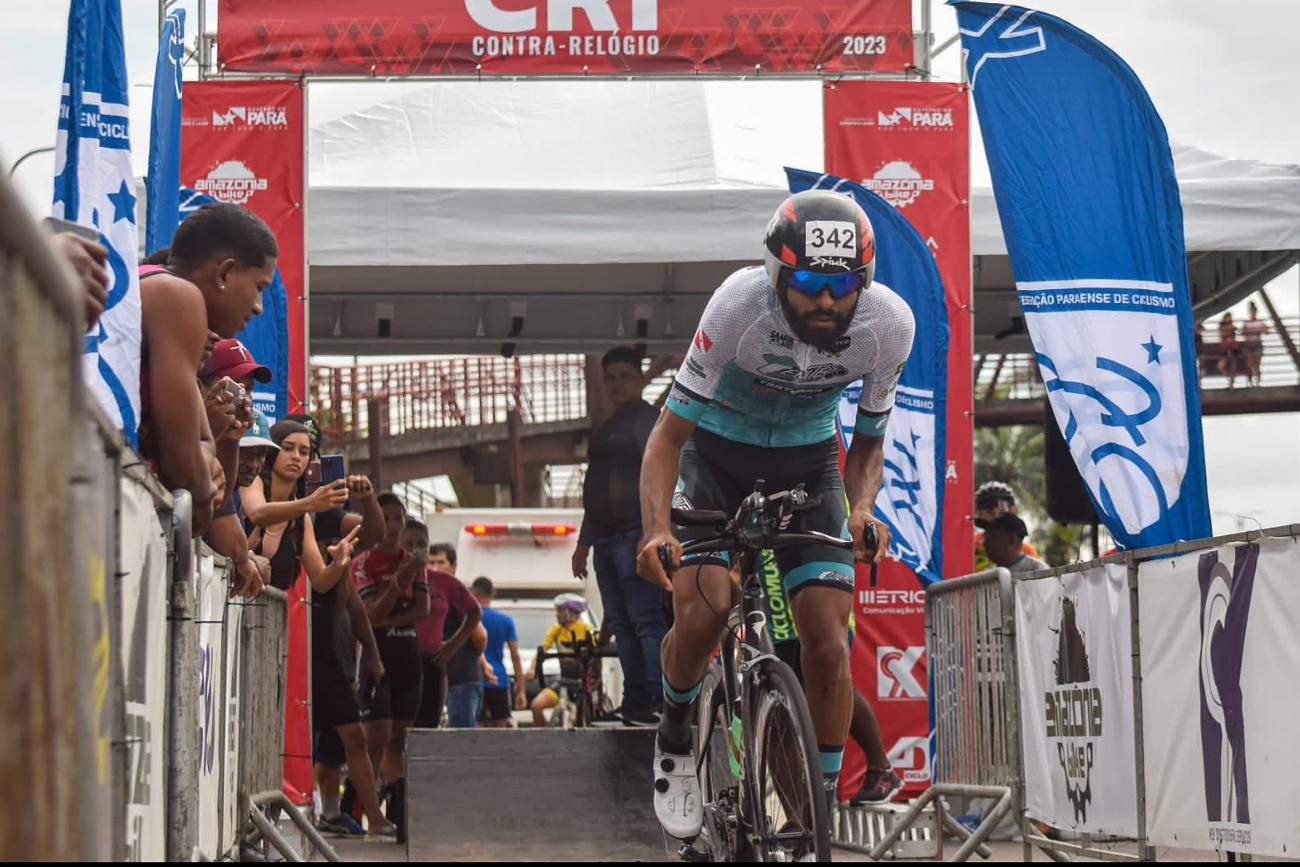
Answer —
(813, 283)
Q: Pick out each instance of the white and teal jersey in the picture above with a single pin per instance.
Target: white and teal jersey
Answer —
(749, 379)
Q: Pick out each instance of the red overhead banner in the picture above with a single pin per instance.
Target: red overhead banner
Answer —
(242, 142)
(564, 37)
(910, 143)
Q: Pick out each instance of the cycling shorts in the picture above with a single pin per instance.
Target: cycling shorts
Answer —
(717, 473)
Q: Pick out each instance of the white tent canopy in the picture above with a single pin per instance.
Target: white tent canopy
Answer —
(601, 196)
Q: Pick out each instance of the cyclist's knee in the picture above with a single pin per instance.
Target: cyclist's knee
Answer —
(824, 652)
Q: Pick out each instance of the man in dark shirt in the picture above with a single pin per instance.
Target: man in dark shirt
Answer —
(634, 610)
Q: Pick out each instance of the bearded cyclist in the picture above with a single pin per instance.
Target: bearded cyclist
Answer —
(756, 398)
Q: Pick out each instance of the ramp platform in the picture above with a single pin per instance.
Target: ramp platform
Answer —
(532, 794)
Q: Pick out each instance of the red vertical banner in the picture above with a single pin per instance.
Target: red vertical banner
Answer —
(910, 143)
(242, 142)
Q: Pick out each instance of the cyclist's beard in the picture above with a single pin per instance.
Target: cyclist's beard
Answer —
(818, 338)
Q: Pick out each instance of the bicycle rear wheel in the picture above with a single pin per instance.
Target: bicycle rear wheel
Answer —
(790, 819)
(719, 786)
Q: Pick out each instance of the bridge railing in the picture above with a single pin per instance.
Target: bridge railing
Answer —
(1015, 376)
(444, 393)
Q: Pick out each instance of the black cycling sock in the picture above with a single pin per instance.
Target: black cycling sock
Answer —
(675, 724)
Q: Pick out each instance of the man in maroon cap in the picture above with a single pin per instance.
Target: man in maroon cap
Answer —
(231, 358)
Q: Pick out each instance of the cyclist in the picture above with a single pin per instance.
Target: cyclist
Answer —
(569, 629)
(756, 398)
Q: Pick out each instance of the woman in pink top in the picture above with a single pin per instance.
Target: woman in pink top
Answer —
(1252, 339)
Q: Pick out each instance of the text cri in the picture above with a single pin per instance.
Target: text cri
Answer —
(559, 16)
(1073, 712)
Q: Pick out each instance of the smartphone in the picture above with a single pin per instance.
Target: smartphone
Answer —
(55, 226)
(313, 476)
(331, 469)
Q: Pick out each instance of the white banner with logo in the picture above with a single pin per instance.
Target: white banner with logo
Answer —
(143, 593)
(211, 703)
(1073, 640)
(232, 751)
(1220, 652)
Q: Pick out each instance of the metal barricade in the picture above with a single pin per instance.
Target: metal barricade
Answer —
(262, 664)
(970, 642)
(53, 736)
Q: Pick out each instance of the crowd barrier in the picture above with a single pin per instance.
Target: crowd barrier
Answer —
(1119, 705)
(141, 707)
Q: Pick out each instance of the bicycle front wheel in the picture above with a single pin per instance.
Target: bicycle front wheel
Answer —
(790, 819)
(719, 784)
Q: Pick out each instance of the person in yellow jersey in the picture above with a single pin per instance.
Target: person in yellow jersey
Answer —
(569, 629)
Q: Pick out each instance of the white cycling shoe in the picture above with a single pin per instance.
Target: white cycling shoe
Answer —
(677, 794)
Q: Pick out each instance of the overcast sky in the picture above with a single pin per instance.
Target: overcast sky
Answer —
(1223, 77)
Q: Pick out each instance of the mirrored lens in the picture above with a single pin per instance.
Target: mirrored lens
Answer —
(813, 283)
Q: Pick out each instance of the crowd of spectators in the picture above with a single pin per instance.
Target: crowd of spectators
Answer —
(396, 638)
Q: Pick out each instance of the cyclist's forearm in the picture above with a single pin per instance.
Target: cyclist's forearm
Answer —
(864, 468)
(658, 478)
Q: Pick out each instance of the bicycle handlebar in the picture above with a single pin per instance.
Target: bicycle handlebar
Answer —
(736, 534)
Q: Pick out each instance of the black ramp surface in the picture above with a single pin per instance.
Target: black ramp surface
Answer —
(532, 794)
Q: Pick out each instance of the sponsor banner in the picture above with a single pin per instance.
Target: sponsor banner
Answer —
(889, 668)
(908, 142)
(231, 819)
(911, 492)
(162, 183)
(143, 587)
(1100, 263)
(242, 142)
(95, 503)
(298, 780)
(1074, 644)
(211, 703)
(558, 37)
(94, 186)
(1219, 653)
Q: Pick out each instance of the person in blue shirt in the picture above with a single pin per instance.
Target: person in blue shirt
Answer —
(501, 634)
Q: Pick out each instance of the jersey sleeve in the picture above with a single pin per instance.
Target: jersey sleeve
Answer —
(712, 347)
(552, 635)
(881, 381)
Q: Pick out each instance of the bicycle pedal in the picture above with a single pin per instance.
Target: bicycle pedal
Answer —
(689, 853)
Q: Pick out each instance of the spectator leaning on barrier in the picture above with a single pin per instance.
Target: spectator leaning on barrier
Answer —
(611, 523)
(501, 634)
(446, 595)
(993, 499)
(229, 372)
(1004, 538)
(222, 257)
(392, 583)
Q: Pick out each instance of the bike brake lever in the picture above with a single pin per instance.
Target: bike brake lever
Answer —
(666, 559)
(871, 540)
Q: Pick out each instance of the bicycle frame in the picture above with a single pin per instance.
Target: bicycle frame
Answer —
(751, 531)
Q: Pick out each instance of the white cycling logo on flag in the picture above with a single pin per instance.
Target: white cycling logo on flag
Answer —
(907, 496)
(1109, 355)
